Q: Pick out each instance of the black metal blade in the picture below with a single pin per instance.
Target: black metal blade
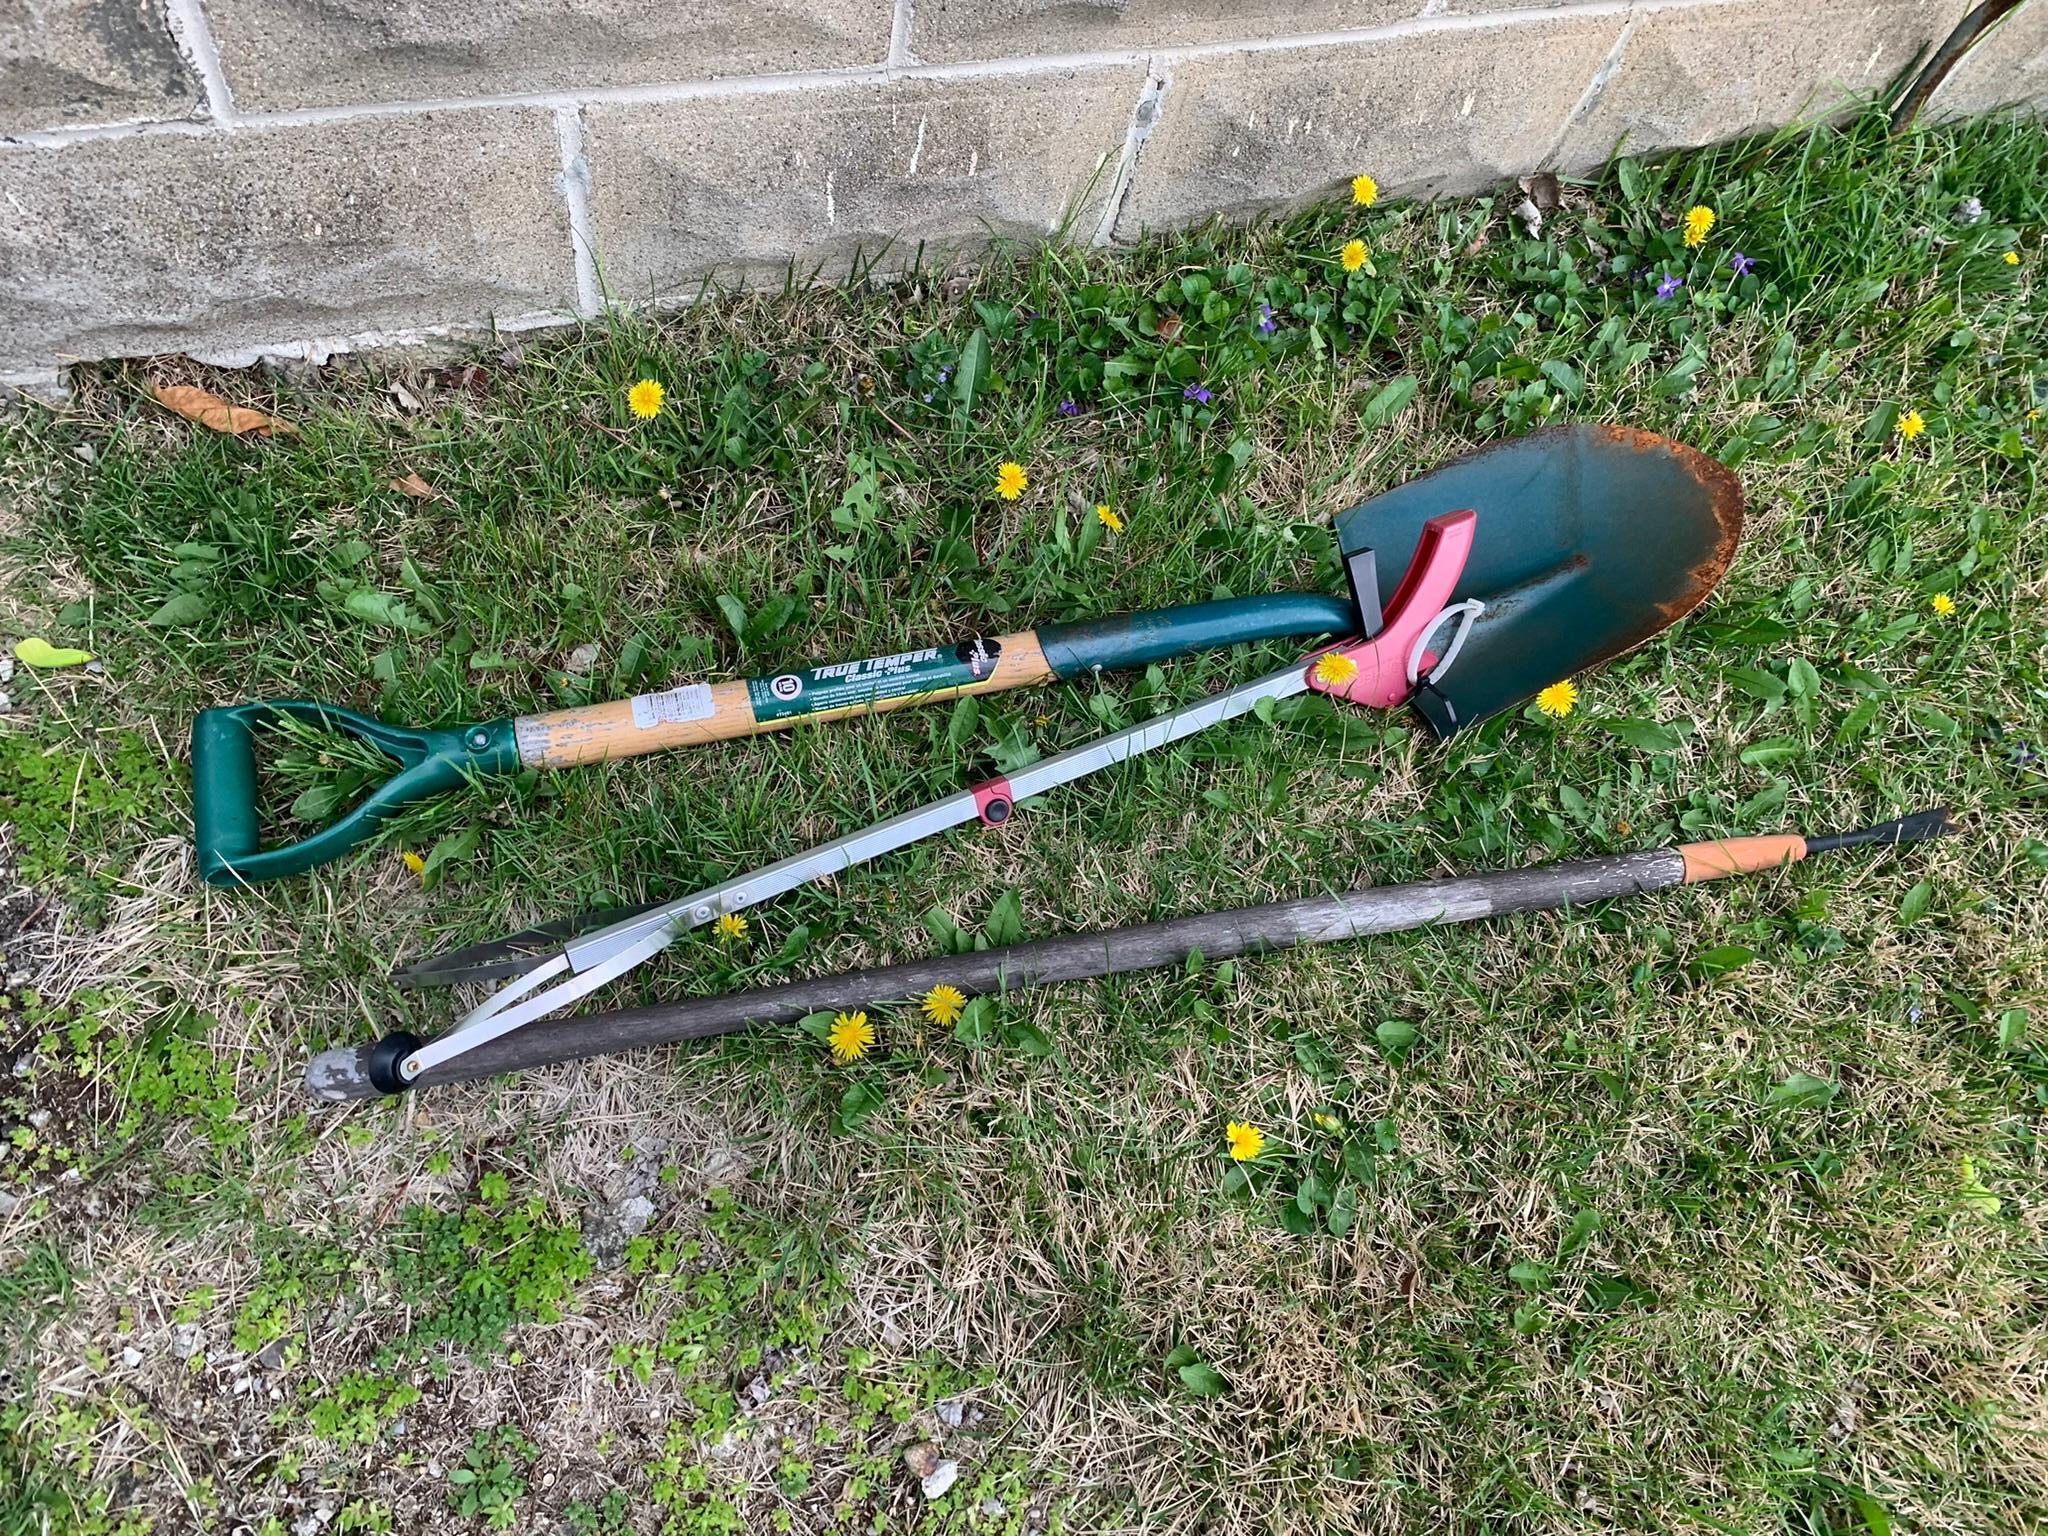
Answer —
(513, 955)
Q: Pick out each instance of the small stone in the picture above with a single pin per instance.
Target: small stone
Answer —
(993, 1508)
(951, 1412)
(6, 703)
(583, 658)
(271, 1356)
(1969, 211)
(39, 1120)
(922, 1459)
(759, 1390)
(96, 668)
(6, 669)
(943, 1477)
(84, 453)
(433, 1467)
(9, 1204)
(131, 1357)
(187, 1339)
(71, 1176)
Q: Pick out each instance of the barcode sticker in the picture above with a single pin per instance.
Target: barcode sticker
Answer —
(692, 701)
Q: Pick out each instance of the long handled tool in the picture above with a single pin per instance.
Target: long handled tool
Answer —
(1597, 537)
(347, 1073)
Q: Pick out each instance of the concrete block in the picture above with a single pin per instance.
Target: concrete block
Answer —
(1426, 112)
(1695, 75)
(948, 31)
(740, 186)
(2008, 67)
(130, 246)
(299, 53)
(90, 61)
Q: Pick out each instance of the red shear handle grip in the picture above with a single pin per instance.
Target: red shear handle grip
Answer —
(1378, 672)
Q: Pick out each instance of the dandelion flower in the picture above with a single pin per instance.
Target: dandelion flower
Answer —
(1364, 191)
(1334, 669)
(1246, 1141)
(731, 927)
(1353, 256)
(1327, 1123)
(850, 1037)
(1943, 605)
(1108, 518)
(1010, 480)
(2012, 258)
(414, 863)
(944, 1004)
(1698, 221)
(1558, 699)
(645, 398)
(1911, 425)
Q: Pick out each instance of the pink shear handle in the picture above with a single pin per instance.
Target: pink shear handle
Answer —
(1378, 674)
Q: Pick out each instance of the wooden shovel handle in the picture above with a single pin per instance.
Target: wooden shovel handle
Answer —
(702, 712)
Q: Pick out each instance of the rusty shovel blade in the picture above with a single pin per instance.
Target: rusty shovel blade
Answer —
(1591, 540)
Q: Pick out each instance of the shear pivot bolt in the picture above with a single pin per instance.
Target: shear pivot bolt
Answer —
(478, 740)
(702, 914)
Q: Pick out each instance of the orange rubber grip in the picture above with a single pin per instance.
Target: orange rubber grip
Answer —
(1740, 855)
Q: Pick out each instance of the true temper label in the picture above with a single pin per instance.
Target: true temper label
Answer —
(853, 685)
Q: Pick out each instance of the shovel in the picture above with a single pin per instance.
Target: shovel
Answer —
(1594, 538)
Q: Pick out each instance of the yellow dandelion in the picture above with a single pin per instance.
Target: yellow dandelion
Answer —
(1698, 221)
(850, 1037)
(1334, 669)
(1364, 191)
(1911, 425)
(2012, 258)
(943, 1005)
(2034, 415)
(1246, 1141)
(1353, 256)
(1010, 480)
(645, 398)
(1558, 699)
(1329, 1124)
(1108, 518)
(1943, 605)
(414, 862)
(731, 927)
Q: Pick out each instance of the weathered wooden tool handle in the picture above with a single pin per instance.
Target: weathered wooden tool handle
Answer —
(344, 1074)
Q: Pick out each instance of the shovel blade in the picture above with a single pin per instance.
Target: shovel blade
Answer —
(1591, 540)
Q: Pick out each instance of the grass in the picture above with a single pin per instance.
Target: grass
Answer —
(1653, 1216)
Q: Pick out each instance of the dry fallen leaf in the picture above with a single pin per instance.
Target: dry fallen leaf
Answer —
(209, 410)
(414, 486)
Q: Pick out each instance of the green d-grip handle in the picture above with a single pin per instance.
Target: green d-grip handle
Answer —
(227, 824)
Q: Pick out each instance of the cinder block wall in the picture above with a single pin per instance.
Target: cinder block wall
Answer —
(236, 177)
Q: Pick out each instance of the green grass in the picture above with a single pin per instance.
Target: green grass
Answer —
(1652, 1216)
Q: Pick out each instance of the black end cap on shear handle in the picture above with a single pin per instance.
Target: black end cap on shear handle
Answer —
(385, 1056)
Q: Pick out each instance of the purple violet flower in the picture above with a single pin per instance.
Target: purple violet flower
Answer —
(1196, 393)
(1740, 264)
(1670, 284)
(1266, 326)
(1068, 408)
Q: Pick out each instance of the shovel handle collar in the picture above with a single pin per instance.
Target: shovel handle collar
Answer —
(1382, 669)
